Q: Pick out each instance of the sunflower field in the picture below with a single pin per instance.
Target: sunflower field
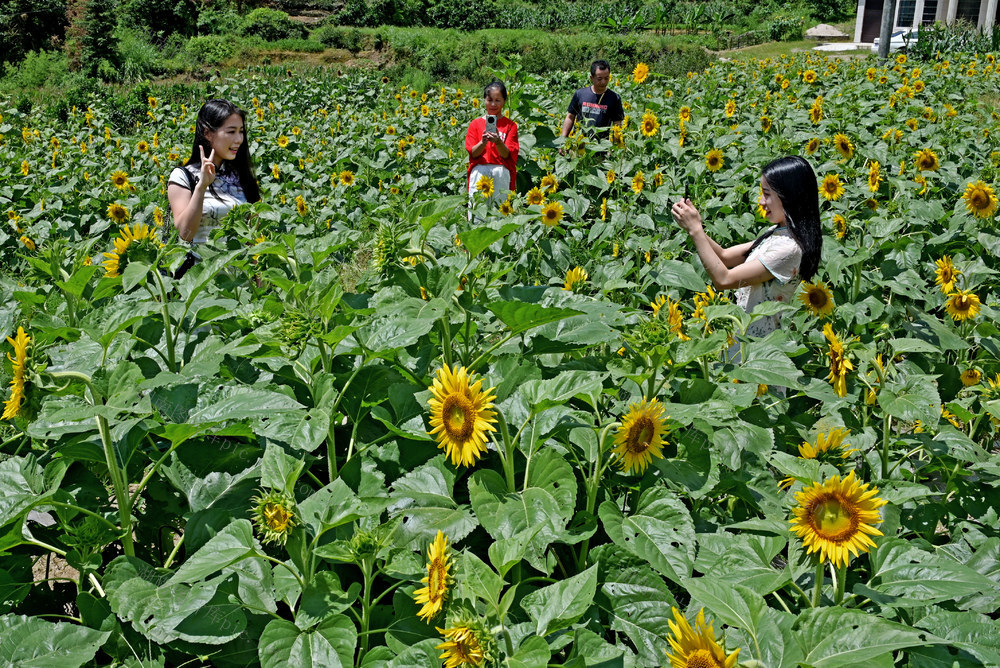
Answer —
(371, 429)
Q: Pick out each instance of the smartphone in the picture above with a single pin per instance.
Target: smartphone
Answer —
(687, 191)
(491, 123)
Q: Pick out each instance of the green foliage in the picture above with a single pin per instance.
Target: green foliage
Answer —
(38, 69)
(454, 55)
(99, 47)
(210, 49)
(271, 25)
(958, 37)
(220, 18)
(29, 25)
(160, 18)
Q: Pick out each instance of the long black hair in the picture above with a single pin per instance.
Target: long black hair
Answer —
(793, 180)
(210, 119)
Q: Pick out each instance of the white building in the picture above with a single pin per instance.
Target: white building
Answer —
(912, 13)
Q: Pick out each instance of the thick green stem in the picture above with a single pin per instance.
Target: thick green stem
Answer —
(818, 591)
(507, 453)
(886, 435)
(840, 573)
(119, 484)
(366, 609)
(173, 553)
(167, 326)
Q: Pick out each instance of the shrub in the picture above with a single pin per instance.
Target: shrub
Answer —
(299, 45)
(209, 50)
(39, 68)
(139, 58)
(271, 25)
(219, 19)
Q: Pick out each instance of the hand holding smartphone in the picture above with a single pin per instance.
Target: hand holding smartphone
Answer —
(491, 124)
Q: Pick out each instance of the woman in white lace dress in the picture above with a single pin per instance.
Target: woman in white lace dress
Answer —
(217, 177)
(770, 267)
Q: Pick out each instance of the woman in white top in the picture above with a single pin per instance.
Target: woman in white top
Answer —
(769, 268)
(217, 177)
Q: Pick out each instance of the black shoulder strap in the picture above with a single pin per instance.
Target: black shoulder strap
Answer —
(191, 179)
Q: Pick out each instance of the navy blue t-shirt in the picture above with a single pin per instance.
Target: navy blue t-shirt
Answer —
(596, 112)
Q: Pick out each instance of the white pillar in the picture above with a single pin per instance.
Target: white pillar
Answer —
(991, 14)
(918, 14)
(859, 22)
(952, 11)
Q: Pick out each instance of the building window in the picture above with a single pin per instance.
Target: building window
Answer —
(930, 11)
(907, 8)
(968, 10)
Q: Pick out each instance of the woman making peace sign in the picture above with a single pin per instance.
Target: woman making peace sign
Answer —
(217, 177)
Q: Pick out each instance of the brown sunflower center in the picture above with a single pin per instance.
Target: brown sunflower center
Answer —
(818, 298)
(702, 658)
(978, 199)
(467, 651)
(962, 303)
(834, 518)
(640, 435)
(459, 417)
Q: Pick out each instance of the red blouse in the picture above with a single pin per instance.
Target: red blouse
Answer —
(508, 133)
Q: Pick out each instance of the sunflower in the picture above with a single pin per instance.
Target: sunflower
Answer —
(831, 441)
(843, 145)
(714, 160)
(638, 182)
(550, 183)
(300, 205)
(812, 146)
(461, 415)
(980, 199)
(945, 275)
(816, 111)
(926, 160)
(139, 235)
(962, 305)
(425, 110)
(817, 298)
(347, 178)
(390, 130)
(650, 126)
(535, 197)
(640, 73)
(484, 186)
(840, 366)
(696, 647)
(274, 515)
(552, 213)
(639, 438)
(675, 320)
(120, 180)
(117, 212)
(574, 276)
(275, 172)
(657, 304)
(901, 59)
(610, 176)
(462, 647)
(507, 206)
(765, 124)
(158, 217)
(809, 76)
(971, 377)
(836, 518)
(875, 177)
(438, 578)
(604, 210)
(831, 188)
(730, 108)
(20, 342)
(840, 226)
(27, 242)
(142, 146)
(685, 114)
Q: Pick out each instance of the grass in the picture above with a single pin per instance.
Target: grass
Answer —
(769, 49)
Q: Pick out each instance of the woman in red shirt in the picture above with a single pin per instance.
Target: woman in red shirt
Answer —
(492, 154)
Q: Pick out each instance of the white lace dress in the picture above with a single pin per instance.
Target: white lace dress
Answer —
(781, 255)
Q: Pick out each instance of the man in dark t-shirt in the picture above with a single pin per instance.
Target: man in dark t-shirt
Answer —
(596, 107)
